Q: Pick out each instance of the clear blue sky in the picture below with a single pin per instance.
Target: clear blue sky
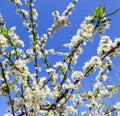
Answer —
(45, 20)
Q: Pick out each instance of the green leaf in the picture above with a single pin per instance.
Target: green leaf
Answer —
(58, 87)
(3, 31)
(112, 13)
(5, 89)
(14, 46)
(61, 70)
(28, 76)
(9, 54)
(99, 13)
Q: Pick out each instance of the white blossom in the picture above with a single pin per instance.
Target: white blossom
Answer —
(3, 40)
(26, 13)
(116, 43)
(50, 70)
(35, 85)
(104, 45)
(35, 14)
(18, 2)
(117, 106)
(72, 110)
(61, 65)
(8, 114)
(94, 63)
(77, 75)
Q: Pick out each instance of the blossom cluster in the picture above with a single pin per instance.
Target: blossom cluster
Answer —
(34, 86)
(3, 44)
(94, 63)
(60, 21)
(105, 45)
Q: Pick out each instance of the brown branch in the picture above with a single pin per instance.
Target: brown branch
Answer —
(85, 74)
(13, 64)
(109, 111)
(8, 90)
(111, 50)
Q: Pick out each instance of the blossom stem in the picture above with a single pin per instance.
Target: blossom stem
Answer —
(8, 91)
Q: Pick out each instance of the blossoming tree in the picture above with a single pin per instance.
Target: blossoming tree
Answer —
(58, 91)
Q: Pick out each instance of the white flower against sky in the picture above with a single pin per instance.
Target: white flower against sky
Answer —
(94, 63)
(8, 114)
(18, 2)
(77, 75)
(61, 65)
(50, 70)
(104, 45)
(117, 106)
(3, 40)
(26, 13)
(35, 14)
(36, 84)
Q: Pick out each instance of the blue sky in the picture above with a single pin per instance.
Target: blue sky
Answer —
(45, 20)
